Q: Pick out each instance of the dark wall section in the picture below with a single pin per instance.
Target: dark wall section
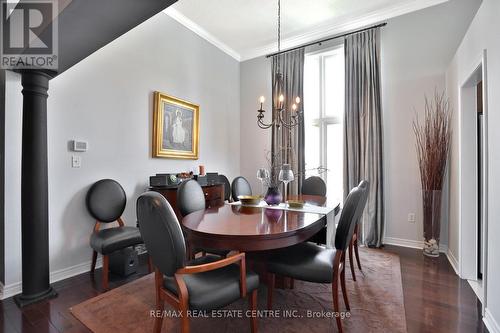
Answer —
(2, 176)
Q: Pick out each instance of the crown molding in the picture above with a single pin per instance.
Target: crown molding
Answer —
(176, 15)
(347, 24)
(319, 32)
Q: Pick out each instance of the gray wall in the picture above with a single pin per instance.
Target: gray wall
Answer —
(255, 142)
(107, 99)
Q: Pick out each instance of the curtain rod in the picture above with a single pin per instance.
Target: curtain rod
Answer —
(326, 39)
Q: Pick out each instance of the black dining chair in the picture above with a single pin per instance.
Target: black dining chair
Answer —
(227, 187)
(314, 263)
(314, 186)
(106, 202)
(240, 186)
(190, 198)
(203, 284)
(353, 245)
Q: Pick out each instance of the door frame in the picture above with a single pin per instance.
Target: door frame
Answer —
(468, 236)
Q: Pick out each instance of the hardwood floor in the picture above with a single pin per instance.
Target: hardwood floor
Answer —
(436, 300)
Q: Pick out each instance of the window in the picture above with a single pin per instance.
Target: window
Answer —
(323, 116)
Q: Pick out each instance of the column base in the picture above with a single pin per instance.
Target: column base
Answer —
(24, 300)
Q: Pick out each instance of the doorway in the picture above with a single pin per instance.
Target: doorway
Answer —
(473, 166)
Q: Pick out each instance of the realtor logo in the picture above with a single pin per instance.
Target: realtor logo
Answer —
(29, 34)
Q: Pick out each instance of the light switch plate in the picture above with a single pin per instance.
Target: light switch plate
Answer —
(411, 217)
(76, 161)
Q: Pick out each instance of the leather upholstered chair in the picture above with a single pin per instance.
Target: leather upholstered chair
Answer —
(106, 202)
(314, 263)
(240, 186)
(203, 284)
(227, 187)
(353, 245)
(314, 186)
(190, 198)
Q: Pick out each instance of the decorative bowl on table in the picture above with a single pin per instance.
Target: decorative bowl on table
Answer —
(296, 203)
(250, 199)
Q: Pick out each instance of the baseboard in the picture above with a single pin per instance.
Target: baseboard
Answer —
(453, 261)
(58, 275)
(414, 244)
(490, 322)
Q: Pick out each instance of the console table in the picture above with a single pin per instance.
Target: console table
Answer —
(214, 195)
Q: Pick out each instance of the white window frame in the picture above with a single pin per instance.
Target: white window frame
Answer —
(323, 121)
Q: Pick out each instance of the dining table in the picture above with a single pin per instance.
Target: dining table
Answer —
(248, 228)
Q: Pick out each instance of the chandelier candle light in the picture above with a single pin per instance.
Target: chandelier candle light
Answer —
(278, 118)
(280, 109)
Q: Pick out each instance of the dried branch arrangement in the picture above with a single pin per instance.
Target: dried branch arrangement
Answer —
(433, 139)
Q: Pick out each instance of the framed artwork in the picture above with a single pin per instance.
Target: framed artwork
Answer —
(175, 127)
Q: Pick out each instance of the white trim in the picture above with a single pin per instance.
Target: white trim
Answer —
(58, 275)
(176, 15)
(321, 31)
(490, 322)
(486, 180)
(411, 243)
(477, 287)
(414, 244)
(453, 261)
(349, 24)
(468, 266)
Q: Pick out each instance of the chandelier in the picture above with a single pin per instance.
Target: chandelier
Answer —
(279, 116)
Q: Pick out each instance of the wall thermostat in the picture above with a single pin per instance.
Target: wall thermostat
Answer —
(80, 146)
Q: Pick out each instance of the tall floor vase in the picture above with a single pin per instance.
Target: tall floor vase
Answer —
(431, 200)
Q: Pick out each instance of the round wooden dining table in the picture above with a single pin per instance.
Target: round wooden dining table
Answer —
(246, 228)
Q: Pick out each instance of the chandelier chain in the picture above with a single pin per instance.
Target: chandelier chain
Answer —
(279, 25)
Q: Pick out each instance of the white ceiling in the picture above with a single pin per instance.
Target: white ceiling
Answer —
(247, 28)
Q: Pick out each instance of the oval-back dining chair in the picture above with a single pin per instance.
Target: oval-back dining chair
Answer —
(190, 198)
(314, 263)
(353, 245)
(106, 201)
(203, 284)
(240, 186)
(314, 186)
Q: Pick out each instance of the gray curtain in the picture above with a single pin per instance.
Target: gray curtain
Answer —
(363, 129)
(291, 65)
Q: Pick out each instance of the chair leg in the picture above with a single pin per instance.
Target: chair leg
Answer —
(351, 261)
(150, 264)
(356, 252)
(184, 321)
(292, 283)
(344, 289)
(335, 292)
(94, 260)
(270, 288)
(105, 272)
(252, 299)
(189, 252)
(160, 306)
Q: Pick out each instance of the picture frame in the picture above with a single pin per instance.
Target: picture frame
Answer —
(175, 127)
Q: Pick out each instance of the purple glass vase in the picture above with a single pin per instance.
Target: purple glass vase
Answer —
(273, 196)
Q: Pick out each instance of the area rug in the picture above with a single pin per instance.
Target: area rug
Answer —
(376, 301)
